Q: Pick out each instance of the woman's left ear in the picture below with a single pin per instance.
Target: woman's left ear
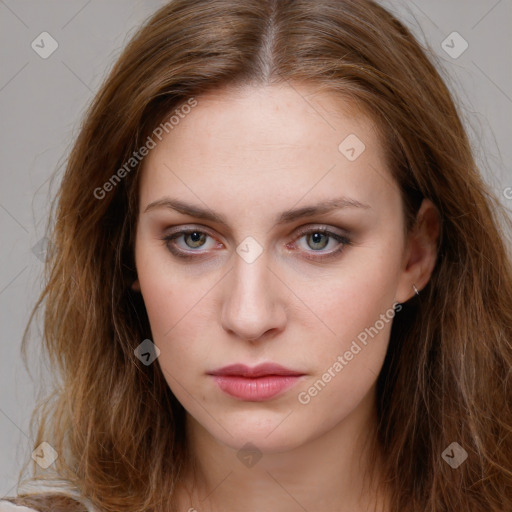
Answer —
(136, 285)
(421, 252)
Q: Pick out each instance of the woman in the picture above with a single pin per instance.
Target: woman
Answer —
(277, 280)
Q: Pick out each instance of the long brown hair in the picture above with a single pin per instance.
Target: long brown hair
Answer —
(447, 375)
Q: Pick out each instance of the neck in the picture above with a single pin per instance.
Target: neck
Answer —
(325, 473)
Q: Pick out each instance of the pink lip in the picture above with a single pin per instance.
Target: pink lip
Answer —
(255, 384)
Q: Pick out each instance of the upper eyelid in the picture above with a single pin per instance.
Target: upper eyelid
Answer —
(299, 231)
(322, 228)
(187, 230)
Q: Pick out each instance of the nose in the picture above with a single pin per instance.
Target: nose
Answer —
(252, 307)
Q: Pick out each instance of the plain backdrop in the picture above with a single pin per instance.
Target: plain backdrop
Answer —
(42, 101)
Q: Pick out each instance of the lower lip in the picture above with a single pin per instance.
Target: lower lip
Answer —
(256, 389)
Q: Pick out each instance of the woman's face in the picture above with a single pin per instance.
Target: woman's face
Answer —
(255, 280)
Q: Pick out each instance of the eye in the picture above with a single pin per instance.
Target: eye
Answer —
(319, 238)
(191, 239)
(316, 239)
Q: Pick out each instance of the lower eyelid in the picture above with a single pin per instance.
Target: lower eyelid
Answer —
(342, 243)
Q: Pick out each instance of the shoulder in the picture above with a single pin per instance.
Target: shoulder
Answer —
(42, 503)
(7, 506)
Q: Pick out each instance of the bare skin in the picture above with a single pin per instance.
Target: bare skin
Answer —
(249, 155)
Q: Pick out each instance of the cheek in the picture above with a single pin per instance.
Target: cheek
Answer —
(175, 320)
(175, 311)
(358, 307)
(347, 364)
(168, 297)
(169, 293)
(354, 297)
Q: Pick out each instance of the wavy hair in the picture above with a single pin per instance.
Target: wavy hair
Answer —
(116, 425)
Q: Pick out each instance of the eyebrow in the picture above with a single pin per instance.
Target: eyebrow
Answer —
(285, 217)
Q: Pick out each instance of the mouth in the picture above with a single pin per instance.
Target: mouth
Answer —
(255, 384)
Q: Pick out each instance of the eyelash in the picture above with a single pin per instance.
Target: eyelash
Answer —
(343, 240)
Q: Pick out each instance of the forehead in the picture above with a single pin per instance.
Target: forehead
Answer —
(298, 116)
(256, 143)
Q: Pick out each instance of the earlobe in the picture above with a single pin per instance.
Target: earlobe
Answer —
(421, 252)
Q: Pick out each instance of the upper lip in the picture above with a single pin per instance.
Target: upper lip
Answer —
(241, 370)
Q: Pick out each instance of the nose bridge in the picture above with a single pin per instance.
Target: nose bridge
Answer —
(251, 306)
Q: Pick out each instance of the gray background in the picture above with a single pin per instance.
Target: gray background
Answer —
(42, 101)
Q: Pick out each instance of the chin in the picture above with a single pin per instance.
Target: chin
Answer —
(284, 441)
(264, 429)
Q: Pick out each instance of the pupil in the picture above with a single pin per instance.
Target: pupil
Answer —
(195, 238)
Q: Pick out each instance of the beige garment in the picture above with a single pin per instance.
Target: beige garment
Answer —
(56, 486)
(6, 506)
